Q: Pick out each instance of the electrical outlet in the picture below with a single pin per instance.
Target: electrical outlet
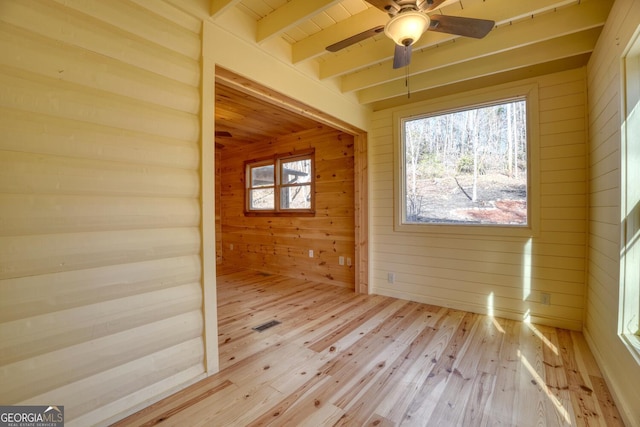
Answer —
(341, 260)
(391, 277)
(230, 246)
(310, 253)
(545, 298)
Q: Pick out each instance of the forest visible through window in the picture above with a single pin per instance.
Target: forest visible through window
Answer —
(467, 166)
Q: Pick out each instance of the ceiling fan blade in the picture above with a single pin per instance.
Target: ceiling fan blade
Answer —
(387, 6)
(458, 25)
(355, 39)
(401, 56)
(428, 6)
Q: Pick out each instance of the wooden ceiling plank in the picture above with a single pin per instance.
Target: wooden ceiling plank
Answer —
(254, 113)
(218, 7)
(565, 21)
(290, 15)
(250, 119)
(501, 12)
(547, 51)
(315, 44)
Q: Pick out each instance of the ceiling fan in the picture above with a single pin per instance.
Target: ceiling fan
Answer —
(409, 20)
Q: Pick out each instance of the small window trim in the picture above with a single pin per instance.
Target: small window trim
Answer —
(472, 99)
(276, 160)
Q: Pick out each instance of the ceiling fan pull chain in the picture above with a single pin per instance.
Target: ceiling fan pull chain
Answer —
(406, 81)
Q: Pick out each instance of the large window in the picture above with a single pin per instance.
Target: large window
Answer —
(282, 184)
(630, 202)
(466, 166)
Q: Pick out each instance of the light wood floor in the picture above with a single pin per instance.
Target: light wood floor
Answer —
(344, 359)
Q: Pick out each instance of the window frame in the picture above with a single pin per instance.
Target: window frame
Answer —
(277, 161)
(451, 104)
(629, 301)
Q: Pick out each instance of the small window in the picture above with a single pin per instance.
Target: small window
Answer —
(467, 166)
(282, 184)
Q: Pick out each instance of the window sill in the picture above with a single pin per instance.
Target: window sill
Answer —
(633, 344)
(468, 229)
(284, 214)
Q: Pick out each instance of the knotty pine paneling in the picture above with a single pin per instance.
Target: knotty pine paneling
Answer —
(502, 274)
(281, 244)
(100, 243)
(606, 116)
(218, 207)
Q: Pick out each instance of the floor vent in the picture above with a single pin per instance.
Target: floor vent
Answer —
(267, 325)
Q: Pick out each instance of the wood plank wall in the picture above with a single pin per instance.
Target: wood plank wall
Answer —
(100, 269)
(218, 203)
(473, 272)
(620, 369)
(281, 244)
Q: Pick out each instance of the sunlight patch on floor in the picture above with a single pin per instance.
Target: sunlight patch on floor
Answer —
(544, 339)
(540, 382)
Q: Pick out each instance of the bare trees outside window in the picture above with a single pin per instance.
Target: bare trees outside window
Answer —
(467, 166)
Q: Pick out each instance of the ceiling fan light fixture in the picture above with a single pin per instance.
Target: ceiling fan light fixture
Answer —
(406, 27)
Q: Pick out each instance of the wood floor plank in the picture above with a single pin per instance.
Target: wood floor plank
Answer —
(582, 396)
(608, 407)
(485, 348)
(278, 412)
(172, 405)
(342, 359)
(433, 389)
(556, 380)
(531, 397)
(500, 410)
(424, 352)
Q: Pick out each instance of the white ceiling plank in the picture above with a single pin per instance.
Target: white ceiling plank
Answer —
(315, 45)
(545, 27)
(218, 7)
(547, 51)
(290, 15)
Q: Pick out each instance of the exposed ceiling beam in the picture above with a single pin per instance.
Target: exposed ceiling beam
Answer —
(589, 14)
(547, 51)
(502, 13)
(218, 7)
(315, 44)
(290, 15)
(518, 74)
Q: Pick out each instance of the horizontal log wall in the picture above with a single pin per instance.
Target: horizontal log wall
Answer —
(100, 266)
(483, 273)
(281, 244)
